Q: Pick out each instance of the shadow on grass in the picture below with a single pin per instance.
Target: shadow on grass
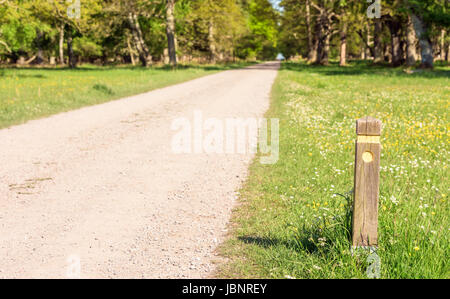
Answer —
(83, 68)
(319, 237)
(298, 244)
(315, 239)
(356, 68)
(21, 76)
(37, 76)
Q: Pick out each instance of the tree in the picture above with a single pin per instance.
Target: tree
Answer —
(148, 31)
(170, 31)
(312, 48)
(296, 24)
(410, 43)
(424, 14)
(16, 36)
(343, 38)
(261, 37)
(68, 18)
(378, 41)
(324, 28)
(216, 28)
(347, 14)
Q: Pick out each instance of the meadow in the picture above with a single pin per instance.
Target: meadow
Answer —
(294, 217)
(30, 93)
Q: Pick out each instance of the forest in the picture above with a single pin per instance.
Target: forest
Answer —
(73, 32)
(395, 32)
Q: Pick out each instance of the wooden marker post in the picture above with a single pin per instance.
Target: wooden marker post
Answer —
(367, 181)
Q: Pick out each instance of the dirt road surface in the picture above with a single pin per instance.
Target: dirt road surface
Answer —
(99, 193)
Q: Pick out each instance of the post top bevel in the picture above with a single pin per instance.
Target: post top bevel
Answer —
(368, 126)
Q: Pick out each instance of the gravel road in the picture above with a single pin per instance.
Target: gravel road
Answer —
(99, 193)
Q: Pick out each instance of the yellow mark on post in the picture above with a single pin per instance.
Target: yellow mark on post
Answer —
(368, 139)
(367, 157)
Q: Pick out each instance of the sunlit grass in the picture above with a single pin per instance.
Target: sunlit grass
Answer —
(294, 219)
(33, 93)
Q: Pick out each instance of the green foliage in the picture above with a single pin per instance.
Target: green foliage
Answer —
(205, 29)
(155, 35)
(261, 40)
(219, 23)
(293, 35)
(432, 11)
(18, 35)
(229, 28)
(87, 48)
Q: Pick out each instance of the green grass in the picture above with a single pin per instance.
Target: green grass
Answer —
(294, 219)
(33, 93)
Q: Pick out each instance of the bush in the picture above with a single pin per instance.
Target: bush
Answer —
(86, 48)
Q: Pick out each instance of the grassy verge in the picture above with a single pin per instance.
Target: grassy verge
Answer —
(294, 216)
(32, 93)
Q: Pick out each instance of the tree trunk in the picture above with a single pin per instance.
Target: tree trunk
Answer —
(61, 44)
(343, 46)
(166, 58)
(326, 52)
(144, 54)
(40, 52)
(315, 48)
(319, 38)
(324, 33)
(20, 60)
(130, 51)
(448, 53)
(5, 45)
(30, 60)
(395, 30)
(212, 44)
(369, 42)
(170, 32)
(378, 42)
(426, 48)
(72, 62)
(312, 46)
(395, 48)
(410, 44)
(369, 50)
(442, 47)
(387, 53)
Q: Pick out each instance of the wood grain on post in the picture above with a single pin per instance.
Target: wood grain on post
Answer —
(367, 181)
